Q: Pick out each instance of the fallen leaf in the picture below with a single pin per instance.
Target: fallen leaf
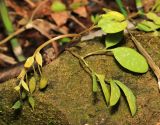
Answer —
(81, 11)
(60, 18)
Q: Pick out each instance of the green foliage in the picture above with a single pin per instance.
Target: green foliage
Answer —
(152, 16)
(113, 39)
(32, 84)
(130, 59)
(105, 89)
(31, 101)
(64, 40)
(131, 99)
(95, 18)
(115, 93)
(156, 7)
(17, 105)
(112, 22)
(151, 25)
(76, 5)
(24, 84)
(58, 6)
(95, 83)
(147, 26)
(112, 95)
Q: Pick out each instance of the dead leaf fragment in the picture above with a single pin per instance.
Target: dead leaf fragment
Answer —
(60, 18)
(81, 11)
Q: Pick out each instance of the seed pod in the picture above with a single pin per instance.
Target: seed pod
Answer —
(43, 82)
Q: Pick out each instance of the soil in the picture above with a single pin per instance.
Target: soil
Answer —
(69, 100)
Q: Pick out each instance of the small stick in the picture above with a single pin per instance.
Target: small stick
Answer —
(151, 63)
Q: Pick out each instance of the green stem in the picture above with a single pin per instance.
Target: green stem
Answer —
(122, 8)
(54, 39)
(17, 50)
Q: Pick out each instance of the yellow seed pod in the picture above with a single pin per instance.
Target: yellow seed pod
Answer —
(29, 62)
(38, 58)
(43, 82)
(22, 73)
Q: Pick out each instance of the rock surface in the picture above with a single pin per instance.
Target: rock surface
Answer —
(68, 99)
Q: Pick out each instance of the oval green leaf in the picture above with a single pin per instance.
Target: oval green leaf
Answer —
(104, 87)
(38, 58)
(131, 99)
(112, 22)
(147, 26)
(17, 105)
(115, 93)
(31, 101)
(29, 62)
(32, 84)
(25, 86)
(154, 17)
(113, 39)
(130, 59)
(58, 6)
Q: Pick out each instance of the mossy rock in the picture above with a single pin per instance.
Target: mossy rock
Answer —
(68, 99)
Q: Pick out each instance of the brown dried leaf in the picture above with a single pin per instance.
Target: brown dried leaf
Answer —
(60, 18)
(81, 11)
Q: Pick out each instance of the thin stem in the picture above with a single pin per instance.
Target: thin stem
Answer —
(54, 39)
(151, 63)
(17, 50)
(36, 9)
(98, 52)
(12, 35)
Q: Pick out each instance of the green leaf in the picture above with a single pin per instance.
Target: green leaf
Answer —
(17, 88)
(147, 26)
(17, 105)
(32, 84)
(154, 17)
(104, 87)
(31, 101)
(43, 82)
(113, 39)
(130, 59)
(38, 58)
(24, 95)
(24, 84)
(115, 93)
(65, 40)
(58, 6)
(29, 62)
(76, 5)
(95, 18)
(131, 99)
(112, 22)
(95, 83)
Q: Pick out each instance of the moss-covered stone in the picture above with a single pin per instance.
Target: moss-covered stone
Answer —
(68, 99)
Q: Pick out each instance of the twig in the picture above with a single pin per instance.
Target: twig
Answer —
(151, 63)
(12, 35)
(78, 22)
